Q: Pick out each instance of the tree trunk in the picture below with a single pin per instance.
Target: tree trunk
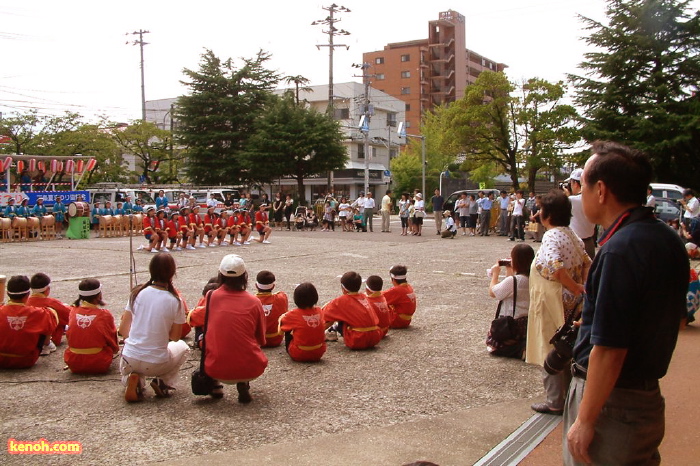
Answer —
(531, 175)
(300, 190)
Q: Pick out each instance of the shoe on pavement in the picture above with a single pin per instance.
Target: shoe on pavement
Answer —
(133, 392)
(246, 242)
(140, 248)
(265, 242)
(236, 243)
(544, 408)
(49, 348)
(189, 246)
(160, 388)
(155, 251)
(331, 335)
(202, 245)
(165, 250)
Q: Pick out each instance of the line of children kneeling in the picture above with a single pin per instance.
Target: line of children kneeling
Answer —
(361, 319)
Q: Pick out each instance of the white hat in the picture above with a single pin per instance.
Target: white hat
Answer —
(419, 195)
(232, 266)
(575, 175)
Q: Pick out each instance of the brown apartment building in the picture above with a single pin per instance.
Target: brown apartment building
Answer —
(426, 73)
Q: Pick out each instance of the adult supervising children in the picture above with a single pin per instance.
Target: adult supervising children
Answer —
(614, 411)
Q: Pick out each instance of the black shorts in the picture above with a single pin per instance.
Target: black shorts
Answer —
(418, 220)
(464, 221)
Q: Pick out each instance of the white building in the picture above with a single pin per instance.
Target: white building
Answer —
(349, 101)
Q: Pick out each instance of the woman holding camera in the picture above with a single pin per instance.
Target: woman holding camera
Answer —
(557, 282)
(514, 287)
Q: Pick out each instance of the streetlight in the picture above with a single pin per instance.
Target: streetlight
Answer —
(403, 134)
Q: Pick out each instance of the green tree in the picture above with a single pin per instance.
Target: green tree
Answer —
(406, 171)
(148, 143)
(638, 85)
(216, 119)
(22, 129)
(293, 140)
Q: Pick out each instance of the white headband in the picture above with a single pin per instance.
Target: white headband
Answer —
(94, 292)
(16, 293)
(398, 277)
(265, 287)
(369, 289)
(40, 290)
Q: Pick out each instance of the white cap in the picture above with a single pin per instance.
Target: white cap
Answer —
(576, 175)
(232, 266)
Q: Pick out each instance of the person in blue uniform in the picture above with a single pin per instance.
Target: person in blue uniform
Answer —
(120, 209)
(59, 213)
(22, 210)
(128, 206)
(10, 210)
(95, 215)
(138, 207)
(161, 201)
(39, 209)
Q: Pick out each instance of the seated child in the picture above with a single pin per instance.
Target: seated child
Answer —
(274, 305)
(23, 328)
(303, 327)
(41, 288)
(195, 318)
(92, 335)
(311, 220)
(400, 298)
(358, 220)
(300, 223)
(357, 321)
(373, 288)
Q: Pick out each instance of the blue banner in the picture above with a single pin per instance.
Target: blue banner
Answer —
(50, 196)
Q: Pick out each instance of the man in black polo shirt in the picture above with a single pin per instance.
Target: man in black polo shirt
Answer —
(634, 306)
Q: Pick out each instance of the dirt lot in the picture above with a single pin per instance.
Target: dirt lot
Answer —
(436, 367)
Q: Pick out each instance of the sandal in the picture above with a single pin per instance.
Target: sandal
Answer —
(133, 392)
(217, 392)
(160, 388)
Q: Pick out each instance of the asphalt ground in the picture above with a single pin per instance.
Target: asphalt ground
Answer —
(430, 392)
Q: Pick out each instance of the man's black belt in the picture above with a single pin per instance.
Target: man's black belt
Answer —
(580, 372)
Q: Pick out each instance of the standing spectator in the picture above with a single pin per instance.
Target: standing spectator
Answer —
(517, 229)
(691, 207)
(503, 203)
(615, 410)
(404, 204)
(535, 219)
(277, 210)
(530, 203)
(462, 207)
(473, 214)
(345, 214)
(359, 204)
(556, 285)
(228, 202)
(485, 205)
(386, 212)
(162, 201)
(420, 213)
(370, 204)
(438, 202)
(212, 201)
(583, 227)
(288, 211)
(651, 200)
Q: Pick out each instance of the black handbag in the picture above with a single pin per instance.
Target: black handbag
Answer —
(202, 384)
(504, 328)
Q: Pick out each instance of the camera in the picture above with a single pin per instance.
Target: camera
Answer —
(565, 186)
(563, 341)
(505, 262)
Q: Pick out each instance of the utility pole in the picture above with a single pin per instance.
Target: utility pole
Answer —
(141, 43)
(364, 125)
(332, 31)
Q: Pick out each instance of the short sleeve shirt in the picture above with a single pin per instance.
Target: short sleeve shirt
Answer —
(503, 291)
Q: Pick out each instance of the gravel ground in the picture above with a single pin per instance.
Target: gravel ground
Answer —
(437, 366)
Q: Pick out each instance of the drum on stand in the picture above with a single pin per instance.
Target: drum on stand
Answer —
(78, 209)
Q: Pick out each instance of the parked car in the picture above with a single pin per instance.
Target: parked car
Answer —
(664, 190)
(452, 198)
(667, 209)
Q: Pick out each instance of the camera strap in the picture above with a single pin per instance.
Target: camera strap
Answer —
(515, 299)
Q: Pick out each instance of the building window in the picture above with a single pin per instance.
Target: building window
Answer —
(405, 74)
(392, 153)
(360, 151)
(391, 119)
(405, 58)
(380, 76)
(408, 107)
(405, 90)
(374, 153)
(342, 113)
(407, 124)
(379, 61)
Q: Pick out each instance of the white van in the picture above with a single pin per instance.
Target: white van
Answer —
(669, 191)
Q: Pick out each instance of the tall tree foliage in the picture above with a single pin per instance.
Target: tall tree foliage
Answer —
(148, 143)
(514, 132)
(293, 140)
(216, 119)
(639, 83)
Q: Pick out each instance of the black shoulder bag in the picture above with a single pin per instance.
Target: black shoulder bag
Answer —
(202, 384)
(504, 328)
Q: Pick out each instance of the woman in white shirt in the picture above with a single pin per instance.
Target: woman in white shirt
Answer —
(152, 326)
(517, 278)
(420, 213)
(343, 214)
(517, 226)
